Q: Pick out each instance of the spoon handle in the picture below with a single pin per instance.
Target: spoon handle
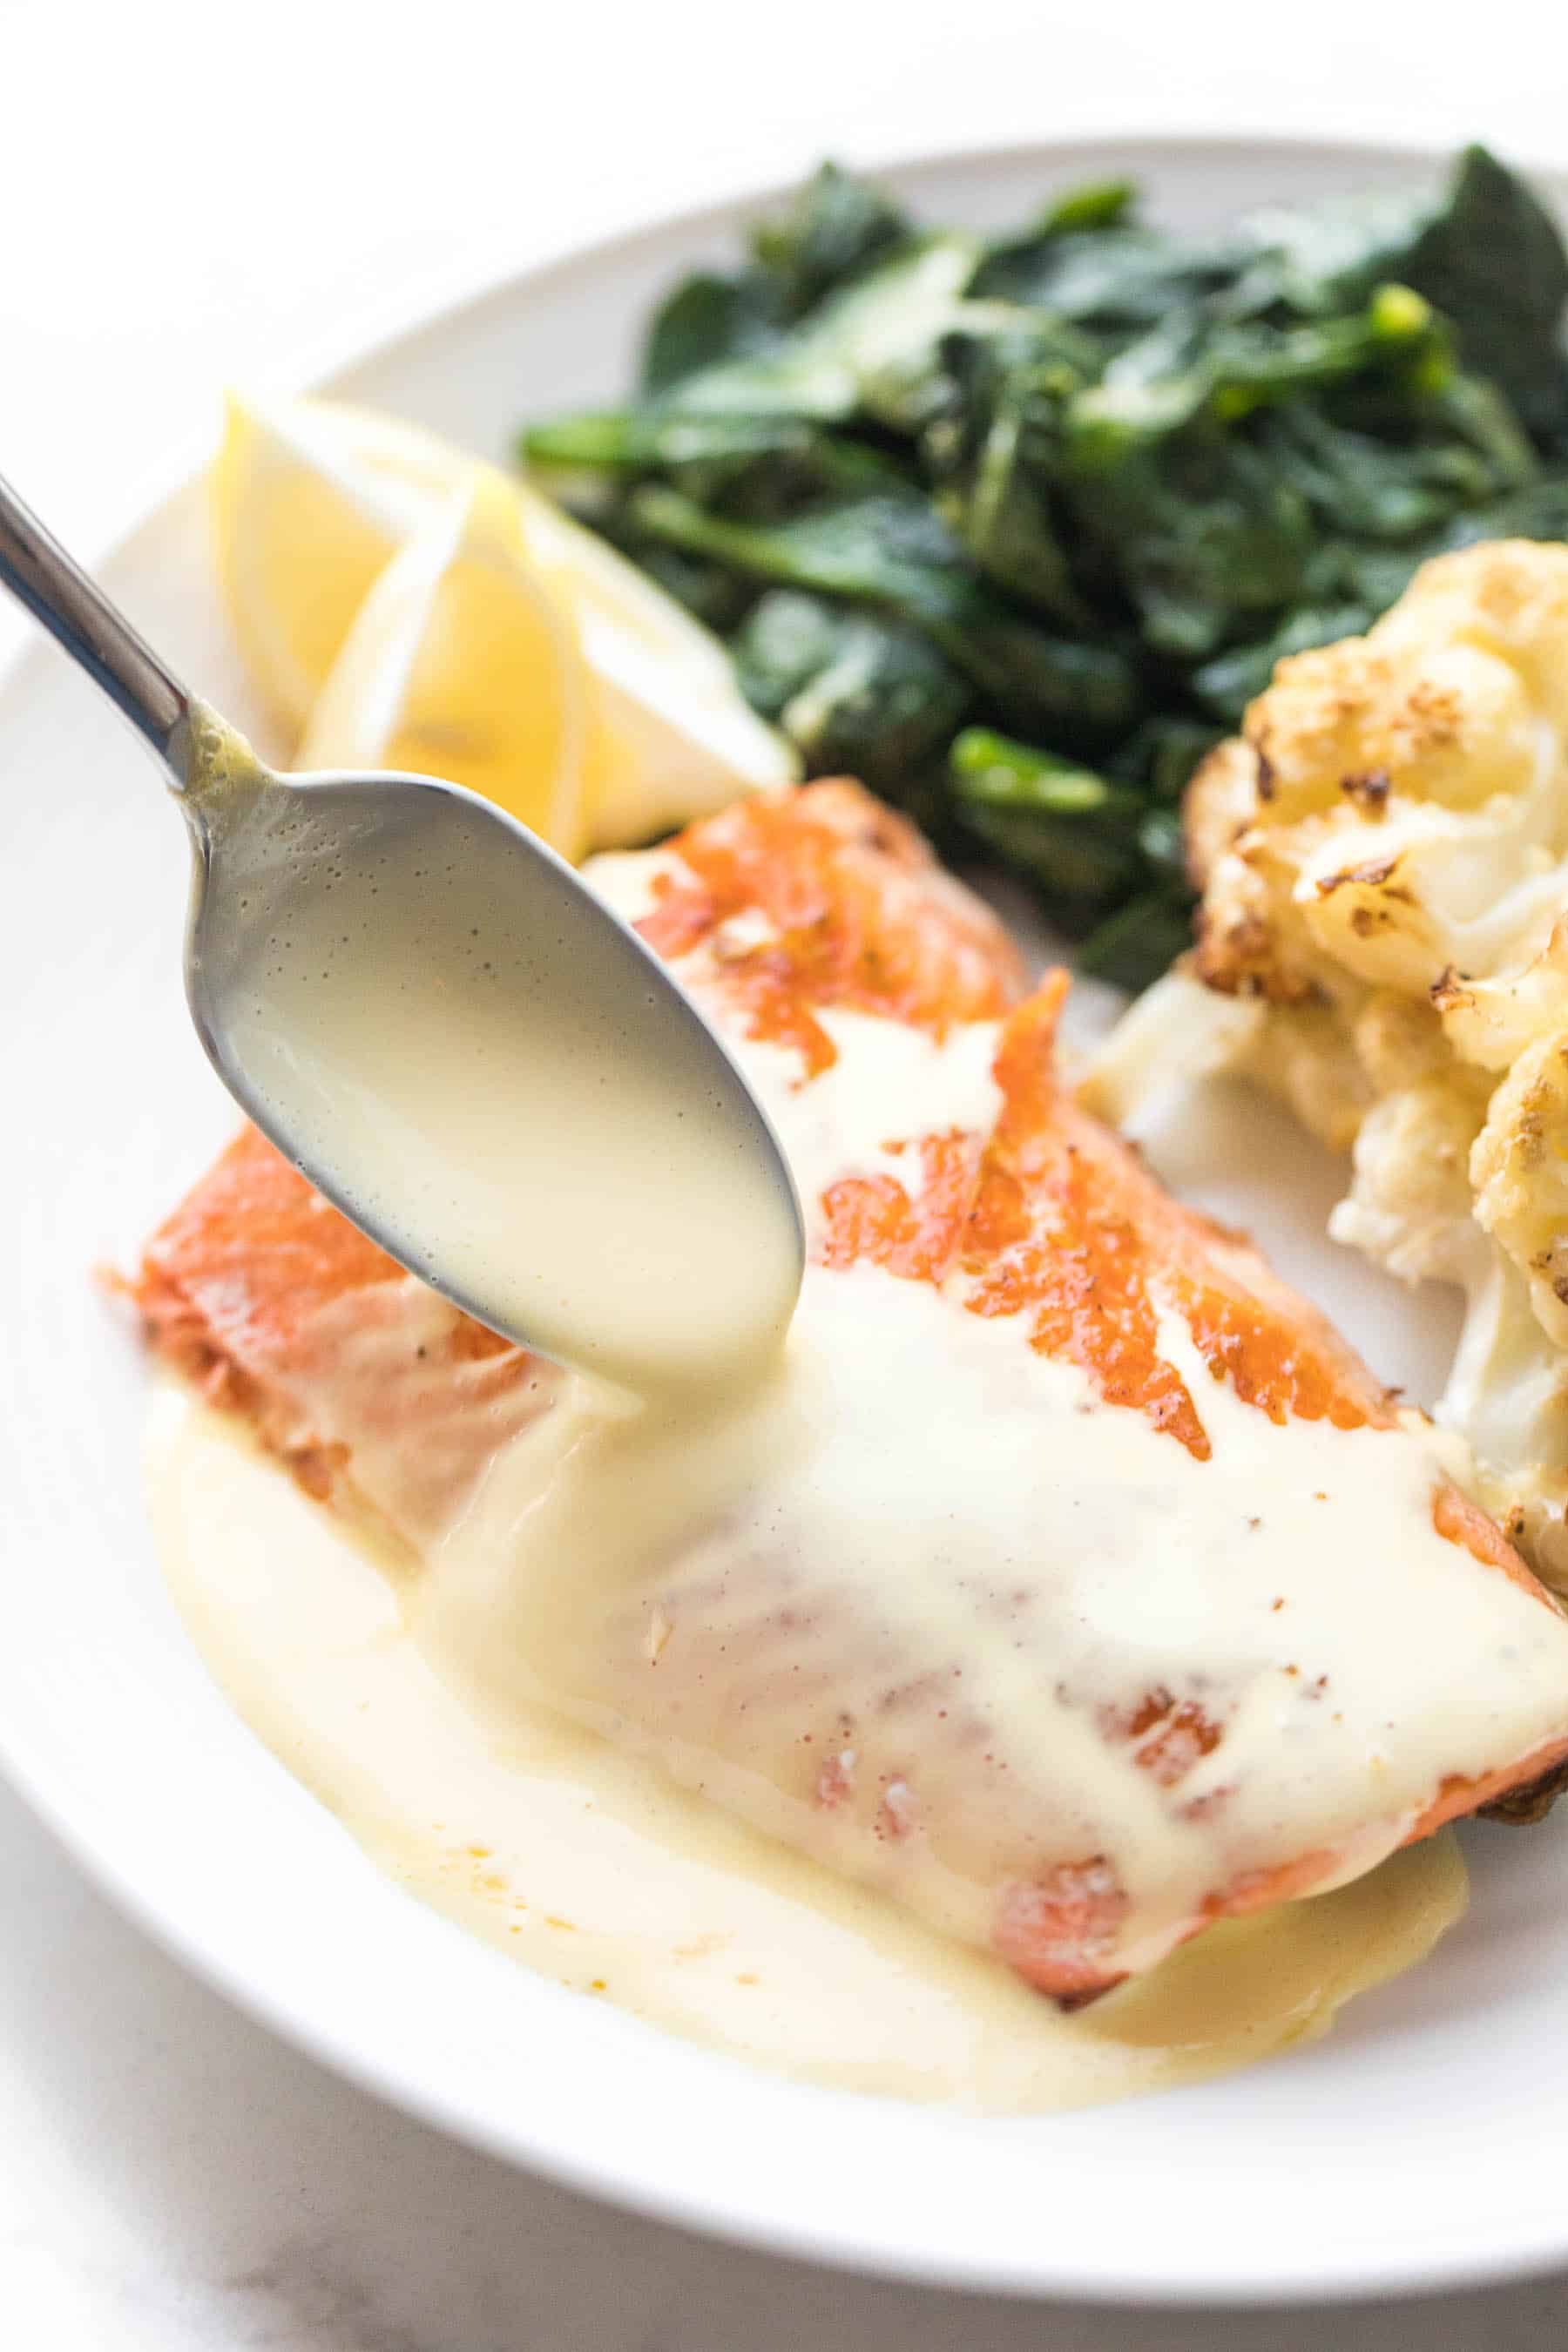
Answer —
(95, 633)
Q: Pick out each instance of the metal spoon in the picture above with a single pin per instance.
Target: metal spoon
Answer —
(438, 1023)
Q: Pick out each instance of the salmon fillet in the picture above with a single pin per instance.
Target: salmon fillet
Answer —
(771, 1680)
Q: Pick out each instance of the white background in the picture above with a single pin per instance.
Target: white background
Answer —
(195, 192)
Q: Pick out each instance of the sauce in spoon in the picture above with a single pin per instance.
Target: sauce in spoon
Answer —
(488, 1072)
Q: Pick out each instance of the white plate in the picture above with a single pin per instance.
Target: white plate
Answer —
(1425, 2143)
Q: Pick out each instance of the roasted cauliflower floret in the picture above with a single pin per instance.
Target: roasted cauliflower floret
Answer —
(1409, 1206)
(1383, 857)
(1490, 1022)
(1389, 714)
(1519, 1170)
(1310, 1061)
(1507, 1393)
(1509, 597)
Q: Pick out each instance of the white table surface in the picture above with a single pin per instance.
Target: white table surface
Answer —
(196, 192)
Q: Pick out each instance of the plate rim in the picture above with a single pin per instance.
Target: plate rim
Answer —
(1536, 2243)
(380, 330)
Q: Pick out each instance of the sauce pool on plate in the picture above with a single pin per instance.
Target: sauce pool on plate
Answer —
(578, 1861)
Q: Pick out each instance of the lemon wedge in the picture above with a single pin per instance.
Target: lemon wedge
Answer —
(459, 664)
(671, 735)
(312, 500)
(310, 503)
